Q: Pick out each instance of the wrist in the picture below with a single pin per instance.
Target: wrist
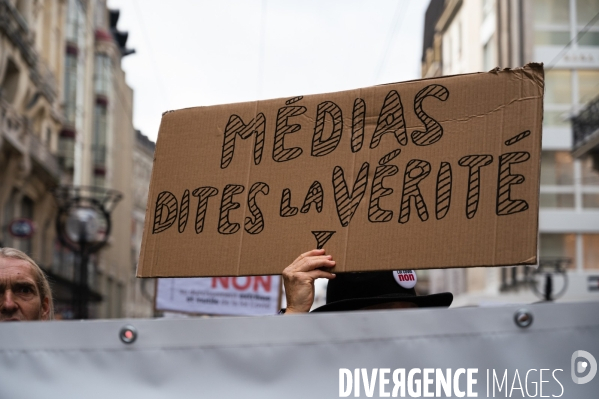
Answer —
(292, 310)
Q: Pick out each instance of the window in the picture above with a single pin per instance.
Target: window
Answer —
(448, 53)
(99, 137)
(70, 88)
(38, 122)
(102, 74)
(66, 152)
(9, 214)
(47, 231)
(590, 184)
(110, 297)
(512, 278)
(552, 12)
(552, 22)
(556, 118)
(552, 38)
(74, 66)
(489, 61)
(10, 82)
(590, 176)
(100, 15)
(557, 180)
(558, 87)
(558, 246)
(75, 31)
(590, 243)
(589, 39)
(590, 200)
(64, 262)
(27, 206)
(557, 168)
(102, 84)
(585, 11)
(459, 40)
(556, 200)
(99, 181)
(558, 98)
(588, 85)
(488, 7)
(119, 300)
(48, 137)
(22, 7)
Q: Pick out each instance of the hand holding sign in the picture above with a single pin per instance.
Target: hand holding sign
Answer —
(299, 278)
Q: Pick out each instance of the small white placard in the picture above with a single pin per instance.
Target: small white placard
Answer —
(245, 295)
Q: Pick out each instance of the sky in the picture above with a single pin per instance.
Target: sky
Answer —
(198, 52)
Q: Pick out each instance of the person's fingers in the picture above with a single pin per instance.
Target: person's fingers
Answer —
(314, 274)
(314, 262)
(314, 252)
(304, 263)
(295, 272)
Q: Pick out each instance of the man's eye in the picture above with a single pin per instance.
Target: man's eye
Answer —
(25, 290)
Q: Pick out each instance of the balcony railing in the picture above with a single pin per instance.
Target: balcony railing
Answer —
(14, 128)
(585, 128)
(42, 155)
(14, 26)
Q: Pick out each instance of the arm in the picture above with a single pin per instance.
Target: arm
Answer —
(299, 278)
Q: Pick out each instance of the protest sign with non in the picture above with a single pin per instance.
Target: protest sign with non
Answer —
(431, 173)
(244, 296)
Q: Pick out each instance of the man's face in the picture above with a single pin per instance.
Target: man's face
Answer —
(19, 296)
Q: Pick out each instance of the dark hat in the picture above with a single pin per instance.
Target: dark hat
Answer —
(354, 291)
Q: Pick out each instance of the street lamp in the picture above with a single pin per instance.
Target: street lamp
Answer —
(544, 276)
(83, 225)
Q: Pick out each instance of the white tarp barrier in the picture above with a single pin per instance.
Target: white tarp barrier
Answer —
(245, 295)
(310, 356)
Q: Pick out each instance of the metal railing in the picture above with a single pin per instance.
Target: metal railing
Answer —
(586, 124)
(537, 279)
(16, 130)
(14, 26)
(12, 127)
(40, 153)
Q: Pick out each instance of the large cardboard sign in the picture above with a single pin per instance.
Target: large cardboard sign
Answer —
(242, 296)
(431, 173)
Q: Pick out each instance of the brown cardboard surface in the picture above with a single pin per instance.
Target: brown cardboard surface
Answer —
(430, 173)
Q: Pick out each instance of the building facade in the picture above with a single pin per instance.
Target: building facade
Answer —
(141, 292)
(66, 118)
(31, 116)
(464, 36)
(98, 141)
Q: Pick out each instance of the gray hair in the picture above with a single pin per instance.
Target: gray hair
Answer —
(41, 280)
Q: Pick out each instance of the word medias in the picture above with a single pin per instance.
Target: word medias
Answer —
(390, 121)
